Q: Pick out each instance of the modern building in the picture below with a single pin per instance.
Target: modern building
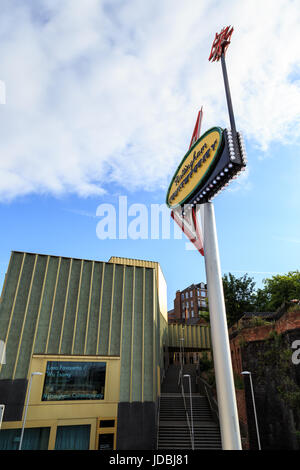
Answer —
(189, 303)
(97, 334)
(188, 343)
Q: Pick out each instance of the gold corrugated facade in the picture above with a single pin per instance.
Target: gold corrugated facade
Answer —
(195, 336)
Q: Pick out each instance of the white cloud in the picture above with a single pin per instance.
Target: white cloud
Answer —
(100, 92)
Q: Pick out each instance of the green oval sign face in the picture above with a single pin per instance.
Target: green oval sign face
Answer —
(195, 167)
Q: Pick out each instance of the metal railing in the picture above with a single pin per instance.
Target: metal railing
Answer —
(157, 422)
(190, 422)
(211, 400)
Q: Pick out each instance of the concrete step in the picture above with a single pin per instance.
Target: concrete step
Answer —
(174, 432)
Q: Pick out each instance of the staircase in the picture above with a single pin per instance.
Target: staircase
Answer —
(173, 430)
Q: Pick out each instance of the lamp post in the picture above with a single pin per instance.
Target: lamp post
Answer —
(181, 359)
(245, 372)
(26, 407)
(192, 424)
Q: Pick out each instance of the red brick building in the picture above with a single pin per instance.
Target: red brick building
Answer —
(188, 304)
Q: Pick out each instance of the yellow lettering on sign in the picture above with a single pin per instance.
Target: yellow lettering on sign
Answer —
(194, 167)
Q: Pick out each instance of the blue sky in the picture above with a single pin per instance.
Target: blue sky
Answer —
(101, 101)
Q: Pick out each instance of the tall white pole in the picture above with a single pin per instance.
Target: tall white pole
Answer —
(228, 415)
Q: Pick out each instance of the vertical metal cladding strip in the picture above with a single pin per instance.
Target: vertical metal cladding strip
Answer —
(53, 302)
(204, 336)
(14, 302)
(24, 318)
(122, 313)
(89, 306)
(65, 306)
(200, 337)
(77, 305)
(5, 278)
(111, 307)
(40, 306)
(143, 333)
(132, 332)
(154, 338)
(208, 337)
(202, 342)
(100, 307)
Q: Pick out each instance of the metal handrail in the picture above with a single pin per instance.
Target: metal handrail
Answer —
(180, 379)
(186, 413)
(212, 402)
(191, 427)
(157, 425)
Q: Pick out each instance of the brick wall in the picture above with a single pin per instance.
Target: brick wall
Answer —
(288, 322)
(177, 308)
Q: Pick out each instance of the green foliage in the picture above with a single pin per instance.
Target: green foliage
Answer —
(238, 382)
(206, 367)
(204, 315)
(274, 362)
(297, 433)
(257, 321)
(281, 288)
(239, 296)
(205, 363)
(294, 308)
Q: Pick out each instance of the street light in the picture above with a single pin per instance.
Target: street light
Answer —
(192, 424)
(181, 359)
(26, 408)
(245, 372)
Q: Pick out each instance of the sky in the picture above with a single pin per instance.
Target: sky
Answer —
(98, 104)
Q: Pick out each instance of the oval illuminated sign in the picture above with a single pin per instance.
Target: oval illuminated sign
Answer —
(195, 167)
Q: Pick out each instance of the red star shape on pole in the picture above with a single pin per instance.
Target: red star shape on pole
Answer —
(220, 43)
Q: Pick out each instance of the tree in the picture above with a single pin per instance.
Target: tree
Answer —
(239, 296)
(279, 288)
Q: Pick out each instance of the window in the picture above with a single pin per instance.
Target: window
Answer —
(107, 423)
(203, 293)
(191, 293)
(203, 303)
(187, 305)
(192, 303)
(73, 437)
(186, 295)
(67, 380)
(182, 296)
(106, 442)
(192, 313)
(34, 439)
(198, 292)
